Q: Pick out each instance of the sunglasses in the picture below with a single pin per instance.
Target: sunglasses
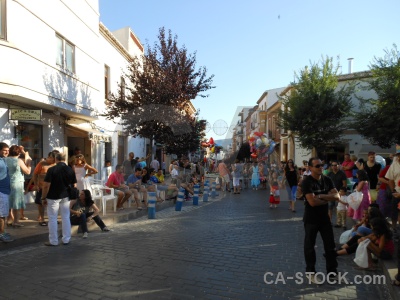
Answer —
(334, 165)
(318, 166)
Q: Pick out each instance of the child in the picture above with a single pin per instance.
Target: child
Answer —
(341, 210)
(274, 198)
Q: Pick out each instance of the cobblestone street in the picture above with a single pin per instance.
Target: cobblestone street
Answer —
(219, 250)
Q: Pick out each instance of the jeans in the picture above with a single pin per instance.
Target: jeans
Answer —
(291, 192)
(53, 205)
(326, 232)
(82, 221)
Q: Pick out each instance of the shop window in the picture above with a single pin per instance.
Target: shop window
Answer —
(31, 137)
(65, 54)
(3, 19)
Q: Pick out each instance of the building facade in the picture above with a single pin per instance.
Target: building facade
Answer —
(56, 73)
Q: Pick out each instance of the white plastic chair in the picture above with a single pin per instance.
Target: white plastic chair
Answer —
(99, 193)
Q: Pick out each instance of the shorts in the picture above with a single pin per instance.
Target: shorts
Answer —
(236, 181)
(226, 178)
(4, 205)
(38, 197)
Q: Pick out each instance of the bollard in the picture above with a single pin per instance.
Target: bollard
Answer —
(196, 194)
(206, 192)
(179, 200)
(213, 190)
(151, 205)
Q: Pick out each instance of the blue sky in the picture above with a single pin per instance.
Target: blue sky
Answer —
(256, 45)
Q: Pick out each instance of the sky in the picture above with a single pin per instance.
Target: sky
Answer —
(255, 45)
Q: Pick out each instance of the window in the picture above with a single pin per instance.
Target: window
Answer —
(3, 19)
(65, 54)
(123, 88)
(106, 81)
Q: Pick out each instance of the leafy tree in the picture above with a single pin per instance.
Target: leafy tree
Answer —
(182, 144)
(163, 81)
(375, 120)
(316, 108)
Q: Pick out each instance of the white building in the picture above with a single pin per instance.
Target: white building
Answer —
(58, 63)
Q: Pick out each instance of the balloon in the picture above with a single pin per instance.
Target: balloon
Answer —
(259, 134)
(253, 155)
(380, 160)
(258, 142)
(266, 135)
(252, 139)
(264, 140)
(211, 141)
(212, 149)
(271, 147)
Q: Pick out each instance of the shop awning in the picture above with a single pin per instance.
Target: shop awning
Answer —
(92, 134)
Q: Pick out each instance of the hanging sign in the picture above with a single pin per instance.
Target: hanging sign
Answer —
(25, 114)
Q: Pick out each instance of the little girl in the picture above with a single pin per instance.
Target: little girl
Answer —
(274, 198)
(255, 177)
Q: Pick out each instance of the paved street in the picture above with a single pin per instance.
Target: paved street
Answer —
(216, 251)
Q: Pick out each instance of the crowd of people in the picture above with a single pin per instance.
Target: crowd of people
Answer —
(322, 186)
(57, 187)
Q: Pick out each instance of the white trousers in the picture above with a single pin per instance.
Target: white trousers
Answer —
(52, 212)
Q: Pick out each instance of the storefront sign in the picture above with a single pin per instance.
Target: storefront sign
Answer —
(25, 114)
(99, 137)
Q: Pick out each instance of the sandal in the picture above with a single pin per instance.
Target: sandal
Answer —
(43, 223)
(24, 218)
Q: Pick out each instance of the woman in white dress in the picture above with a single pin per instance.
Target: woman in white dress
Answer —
(82, 170)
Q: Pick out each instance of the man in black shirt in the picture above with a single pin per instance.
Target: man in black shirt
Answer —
(57, 184)
(319, 191)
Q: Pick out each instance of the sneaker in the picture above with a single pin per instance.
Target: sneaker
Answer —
(105, 229)
(85, 235)
(49, 244)
(6, 238)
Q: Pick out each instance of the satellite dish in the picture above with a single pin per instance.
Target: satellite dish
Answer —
(220, 127)
(208, 127)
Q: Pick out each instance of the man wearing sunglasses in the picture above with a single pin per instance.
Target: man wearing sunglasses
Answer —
(319, 190)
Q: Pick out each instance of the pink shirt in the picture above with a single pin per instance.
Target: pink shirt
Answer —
(350, 164)
(222, 169)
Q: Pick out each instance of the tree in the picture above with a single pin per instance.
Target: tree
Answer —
(163, 81)
(375, 120)
(182, 144)
(315, 109)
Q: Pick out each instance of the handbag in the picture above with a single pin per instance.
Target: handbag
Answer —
(361, 258)
(345, 236)
(355, 199)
